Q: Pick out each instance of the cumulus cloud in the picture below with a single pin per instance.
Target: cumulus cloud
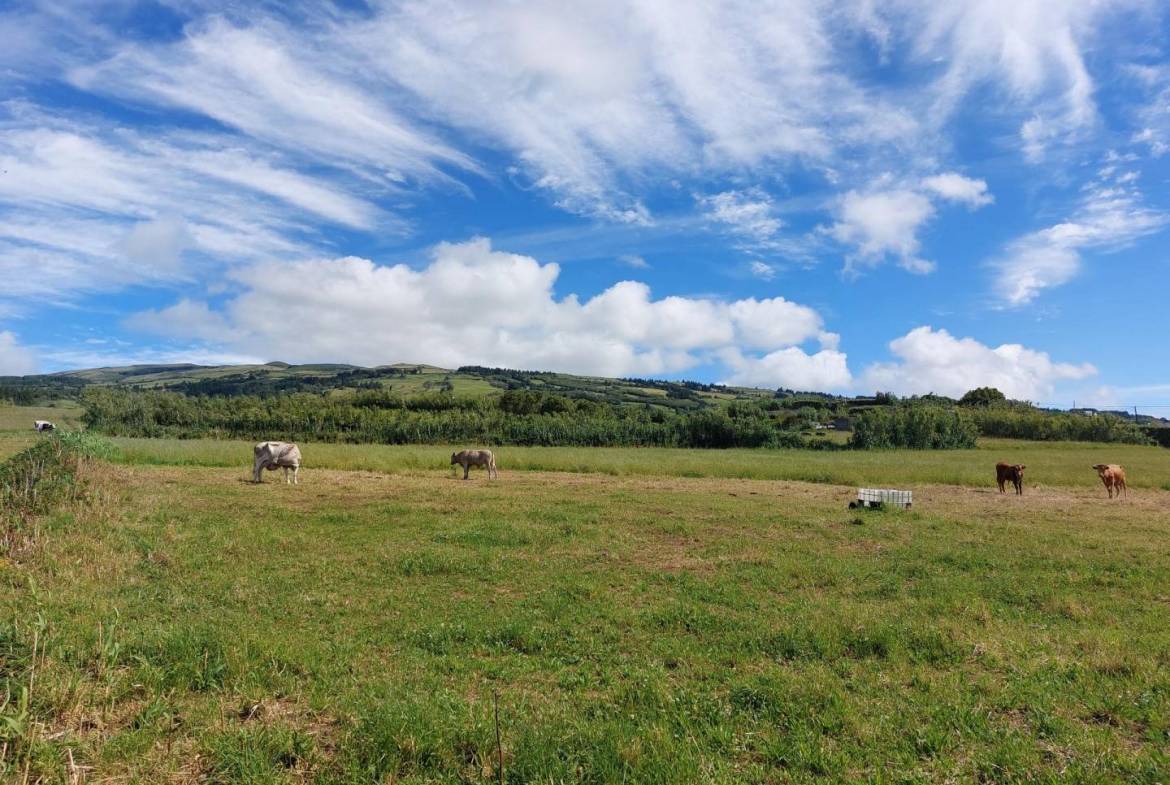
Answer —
(826, 370)
(1110, 216)
(883, 221)
(881, 224)
(15, 360)
(957, 188)
(475, 305)
(929, 360)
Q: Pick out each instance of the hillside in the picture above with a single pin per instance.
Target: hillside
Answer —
(351, 403)
(406, 379)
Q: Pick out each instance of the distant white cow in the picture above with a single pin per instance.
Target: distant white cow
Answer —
(43, 425)
(469, 458)
(274, 455)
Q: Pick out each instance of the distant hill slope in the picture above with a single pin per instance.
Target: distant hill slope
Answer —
(407, 379)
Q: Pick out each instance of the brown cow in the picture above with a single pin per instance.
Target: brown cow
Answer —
(1010, 471)
(1113, 476)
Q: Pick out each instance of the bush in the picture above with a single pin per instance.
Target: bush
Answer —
(982, 396)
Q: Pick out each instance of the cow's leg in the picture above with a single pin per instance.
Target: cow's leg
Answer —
(1019, 487)
(257, 472)
(466, 470)
(296, 472)
(1001, 485)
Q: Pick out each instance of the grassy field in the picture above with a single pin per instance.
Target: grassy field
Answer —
(16, 423)
(633, 624)
(1049, 463)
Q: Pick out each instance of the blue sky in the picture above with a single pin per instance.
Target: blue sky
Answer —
(851, 196)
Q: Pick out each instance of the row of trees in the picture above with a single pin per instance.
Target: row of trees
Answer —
(518, 417)
(942, 427)
(528, 417)
(1026, 423)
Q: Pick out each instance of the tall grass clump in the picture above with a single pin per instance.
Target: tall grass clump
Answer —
(42, 477)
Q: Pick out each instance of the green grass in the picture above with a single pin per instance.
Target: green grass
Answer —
(16, 423)
(666, 616)
(1049, 463)
(194, 627)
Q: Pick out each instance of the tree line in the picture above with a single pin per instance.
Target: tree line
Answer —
(528, 417)
(517, 417)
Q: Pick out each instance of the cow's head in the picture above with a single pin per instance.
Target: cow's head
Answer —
(1019, 467)
(454, 460)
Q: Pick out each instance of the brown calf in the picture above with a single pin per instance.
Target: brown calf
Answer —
(1010, 471)
(1113, 476)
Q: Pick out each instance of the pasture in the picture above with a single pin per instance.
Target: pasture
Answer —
(639, 616)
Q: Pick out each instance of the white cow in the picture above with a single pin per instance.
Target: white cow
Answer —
(43, 425)
(469, 458)
(274, 455)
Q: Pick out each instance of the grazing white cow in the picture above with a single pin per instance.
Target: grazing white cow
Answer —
(277, 455)
(469, 458)
(43, 425)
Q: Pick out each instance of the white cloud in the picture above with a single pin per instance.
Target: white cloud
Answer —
(748, 214)
(291, 91)
(1110, 216)
(187, 319)
(474, 305)
(160, 242)
(879, 224)
(883, 221)
(826, 370)
(957, 188)
(635, 261)
(85, 210)
(1030, 53)
(594, 100)
(762, 270)
(930, 360)
(15, 360)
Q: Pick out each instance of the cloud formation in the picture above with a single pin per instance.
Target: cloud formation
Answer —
(883, 221)
(930, 360)
(1110, 216)
(15, 360)
(475, 305)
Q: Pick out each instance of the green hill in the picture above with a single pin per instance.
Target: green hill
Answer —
(405, 379)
